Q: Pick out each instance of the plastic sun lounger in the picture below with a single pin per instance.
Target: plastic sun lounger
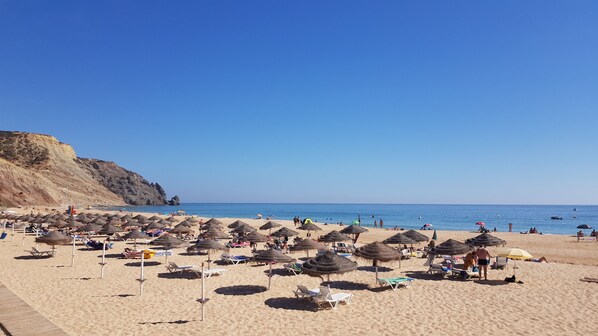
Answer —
(325, 298)
(394, 283)
(38, 254)
(304, 292)
(173, 267)
(235, 260)
(438, 269)
(208, 272)
(294, 268)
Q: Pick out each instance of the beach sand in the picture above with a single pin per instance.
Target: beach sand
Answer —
(551, 301)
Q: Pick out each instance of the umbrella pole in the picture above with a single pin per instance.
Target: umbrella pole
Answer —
(141, 277)
(134, 243)
(103, 263)
(12, 236)
(209, 261)
(203, 299)
(166, 257)
(270, 276)
(73, 254)
(23, 242)
(376, 272)
(307, 253)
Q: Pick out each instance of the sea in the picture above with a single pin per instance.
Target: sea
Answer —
(406, 216)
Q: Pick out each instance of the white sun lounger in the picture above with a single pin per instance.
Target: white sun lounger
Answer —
(303, 292)
(325, 298)
(208, 272)
(173, 267)
(394, 283)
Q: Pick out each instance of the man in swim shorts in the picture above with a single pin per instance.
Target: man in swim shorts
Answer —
(483, 257)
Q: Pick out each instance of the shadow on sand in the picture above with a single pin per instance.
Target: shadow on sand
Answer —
(178, 275)
(290, 304)
(145, 263)
(240, 290)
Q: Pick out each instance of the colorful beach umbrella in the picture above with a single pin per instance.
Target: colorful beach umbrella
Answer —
(515, 254)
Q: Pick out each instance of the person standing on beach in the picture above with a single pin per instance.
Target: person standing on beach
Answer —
(510, 227)
(381, 223)
(359, 219)
(375, 223)
(483, 256)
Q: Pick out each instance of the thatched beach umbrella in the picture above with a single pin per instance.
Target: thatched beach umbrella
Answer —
(110, 229)
(355, 230)
(154, 226)
(306, 245)
(154, 218)
(211, 226)
(328, 263)
(213, 221)
(255, 237)
(272, 256)
(100, 221)
(418, 237)
(140, 216)
(192, 220)
(399, 238)
(136, 234)
(167, 242)
(209, 245)
(284, 232)
(485, 239)
(171, 219)
(59, 224)
(54, 238)
(309, 227)
(378, 251)
(236, 224)
(269, 226)
(214, 234)
(451, 247)
(89, 227)
(181, 229)
(334, 237)
(243, 229)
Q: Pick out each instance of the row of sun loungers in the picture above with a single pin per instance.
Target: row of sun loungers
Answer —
(38, 254)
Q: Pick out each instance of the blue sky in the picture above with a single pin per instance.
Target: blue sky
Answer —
(341, 101)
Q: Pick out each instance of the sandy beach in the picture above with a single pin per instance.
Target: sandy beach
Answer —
(551, 300)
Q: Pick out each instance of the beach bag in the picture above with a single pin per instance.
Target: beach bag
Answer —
(511, 279)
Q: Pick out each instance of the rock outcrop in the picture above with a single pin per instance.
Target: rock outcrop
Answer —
(174, 201)
(132, 187)
(37, 169)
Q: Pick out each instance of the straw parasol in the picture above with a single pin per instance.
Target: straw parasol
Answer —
(109, 229)
(255, 237)
(211, 226)
(54, 238)
(485, 239)
(209, 245)
(154, 226)
(192, 220)
(181, 229)
(214, 234)
(59, 223)
(399, 238)
(418, 237)
(272, 256)
(168, 242)
(309, 227)
(89, 227)
(354, 230)
(308, 244)
(328, 263)
(213, 221)
(154, 218)
(378, 251)
(243, 228)
(140, 216)
(136, 234)
(451, 247)
(236, 224)
(284, 232)
(334, 237)
(269, 226)
(171, 219)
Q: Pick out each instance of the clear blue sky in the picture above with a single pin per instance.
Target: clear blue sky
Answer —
(304, 101)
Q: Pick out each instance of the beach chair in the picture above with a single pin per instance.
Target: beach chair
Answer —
(394, 283)
(326, 298)
(499, 263)
(162, 253)
(172, 267)
(3, 235)
(344, 247)
(295, 268)
(438, 269)
(235, 260)
(208, 272)
(38, 254)
(302, 292)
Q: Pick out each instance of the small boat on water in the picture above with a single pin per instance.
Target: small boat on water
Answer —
(584, 226)
(574, 209)
(556, 217)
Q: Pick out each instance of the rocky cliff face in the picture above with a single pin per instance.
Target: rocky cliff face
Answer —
(132, 187)
(37, 169)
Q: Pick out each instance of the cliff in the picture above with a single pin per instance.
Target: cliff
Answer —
(37, 169)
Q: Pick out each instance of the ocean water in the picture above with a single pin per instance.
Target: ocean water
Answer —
(408, 216)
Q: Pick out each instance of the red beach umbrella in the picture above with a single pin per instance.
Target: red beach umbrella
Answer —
(480, 223)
